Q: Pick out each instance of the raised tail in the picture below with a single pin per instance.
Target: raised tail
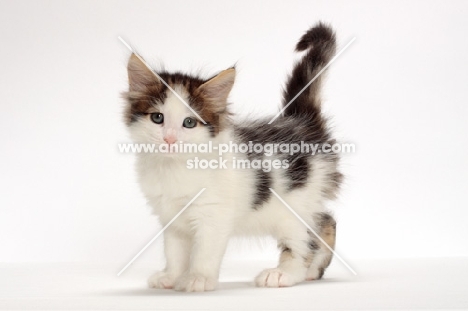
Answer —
(320, 43)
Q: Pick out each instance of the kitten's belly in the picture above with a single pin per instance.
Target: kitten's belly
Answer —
(273, 216)
(228, 198)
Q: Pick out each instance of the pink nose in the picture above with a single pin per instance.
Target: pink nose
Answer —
(170, 139)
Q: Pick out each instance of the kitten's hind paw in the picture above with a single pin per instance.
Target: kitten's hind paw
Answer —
(274, 278)
(195, 283)
(161, 279)
(314, 273)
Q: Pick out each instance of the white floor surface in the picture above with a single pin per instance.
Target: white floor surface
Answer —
(436, 283)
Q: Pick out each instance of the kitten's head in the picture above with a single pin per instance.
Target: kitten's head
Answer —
(154, 114)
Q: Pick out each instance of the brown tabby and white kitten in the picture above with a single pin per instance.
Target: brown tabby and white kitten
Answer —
(236, 201)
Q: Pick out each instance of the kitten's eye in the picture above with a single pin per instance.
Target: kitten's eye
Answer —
(157, 118)
(189, 123)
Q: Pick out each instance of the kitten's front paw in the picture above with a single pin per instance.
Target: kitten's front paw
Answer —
(274, 278)
(195, 283)
(161, 279)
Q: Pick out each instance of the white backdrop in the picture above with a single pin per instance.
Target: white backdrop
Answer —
(398, 93)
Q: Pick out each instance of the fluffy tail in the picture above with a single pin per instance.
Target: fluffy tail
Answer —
(320, 43)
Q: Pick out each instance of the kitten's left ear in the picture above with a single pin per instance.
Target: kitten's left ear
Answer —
(217, 89)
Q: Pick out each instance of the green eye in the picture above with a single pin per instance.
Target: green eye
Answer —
(157, 118)
(189, 123)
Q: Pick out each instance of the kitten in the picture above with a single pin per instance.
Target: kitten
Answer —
(237, 201)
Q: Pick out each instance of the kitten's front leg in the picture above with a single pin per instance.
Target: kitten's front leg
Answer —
(177, 251)
(209, 245)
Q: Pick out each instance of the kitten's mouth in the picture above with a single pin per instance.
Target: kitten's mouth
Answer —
(172, 150)
(169, 150)
(166, 148)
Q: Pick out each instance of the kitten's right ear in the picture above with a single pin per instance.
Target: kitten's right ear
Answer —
(139, 76)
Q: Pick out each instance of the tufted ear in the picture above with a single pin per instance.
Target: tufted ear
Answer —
(139, 76)
(217, 89)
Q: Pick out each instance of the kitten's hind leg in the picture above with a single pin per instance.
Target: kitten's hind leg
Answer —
(292, 267)
(320, 256)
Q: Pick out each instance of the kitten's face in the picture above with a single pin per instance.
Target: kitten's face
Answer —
(166, 120)
(157, 116)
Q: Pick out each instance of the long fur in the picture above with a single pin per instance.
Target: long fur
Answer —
(236, 201)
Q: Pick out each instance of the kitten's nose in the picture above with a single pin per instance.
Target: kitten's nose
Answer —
(170, 139)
